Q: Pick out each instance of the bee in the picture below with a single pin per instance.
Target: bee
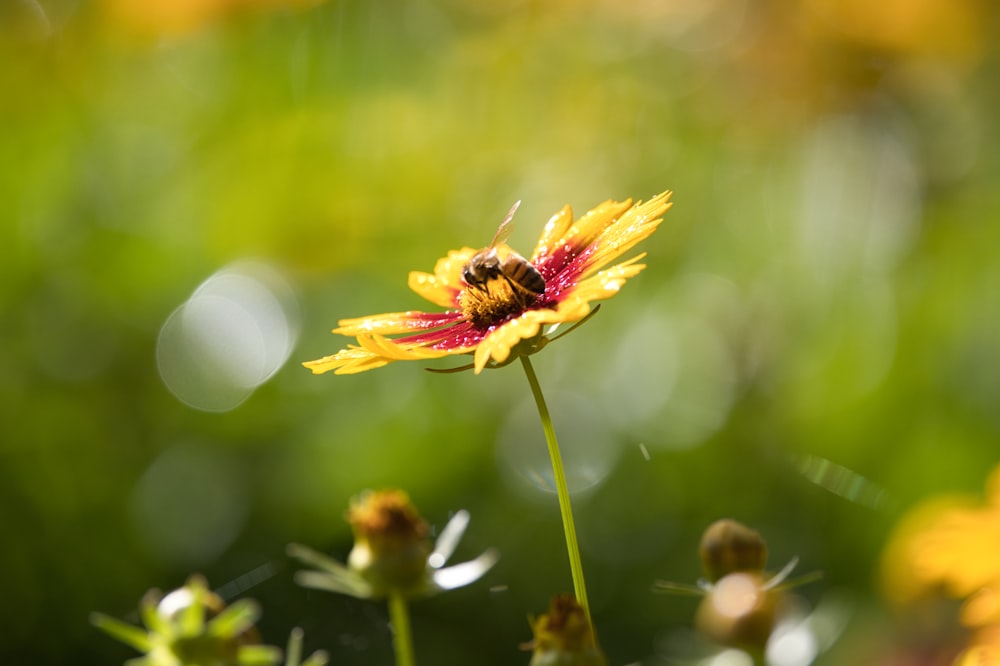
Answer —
(523, 278)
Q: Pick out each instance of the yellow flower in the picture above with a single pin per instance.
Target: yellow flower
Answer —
(947, 541)
(153, 18)
(951, 543)
(495, 320)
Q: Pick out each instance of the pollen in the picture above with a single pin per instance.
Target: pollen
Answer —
(387, 514)
(491, 302)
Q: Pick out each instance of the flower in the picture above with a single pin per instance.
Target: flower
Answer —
(392, 553)
(742, 605)
(950, 543)
(179, 634)
(564, 637)
(495, 320)
(740, 610)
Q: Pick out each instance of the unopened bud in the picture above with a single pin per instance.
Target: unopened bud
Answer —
(391, 542)
(739, 611)
(564, 637)
(728, 546)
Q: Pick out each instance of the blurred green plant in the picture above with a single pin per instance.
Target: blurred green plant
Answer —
(393, 559)
(191, 626)
(742, 604)
(824, 294)
(564, 636)
(500, 304)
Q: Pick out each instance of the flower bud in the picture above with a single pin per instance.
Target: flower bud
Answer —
(728, 546)
(739, 610)
(191, 626)
(564, 637)
(391, 542)
(201, 647)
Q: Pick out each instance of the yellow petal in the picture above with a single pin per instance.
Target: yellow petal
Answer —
(346, 361)
(947, 541)
(391, 351)
(375, 351)
(497, 345)
(979, 655)
(606, 283)
(582, 232)
(386, 324)
(959, 550)
(635, 225)
(983, 607)
(596, 221)
(555, 229)
(442, 287)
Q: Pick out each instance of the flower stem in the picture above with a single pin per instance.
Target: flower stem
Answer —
(575, 564)
(402, 638)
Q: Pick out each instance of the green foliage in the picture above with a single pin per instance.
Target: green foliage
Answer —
(823, 290)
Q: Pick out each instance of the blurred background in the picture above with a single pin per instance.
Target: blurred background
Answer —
(193, 193)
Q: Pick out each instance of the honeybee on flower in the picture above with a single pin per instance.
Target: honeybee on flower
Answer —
(497, 302)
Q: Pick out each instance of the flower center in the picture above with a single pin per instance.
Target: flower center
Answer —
(492, 301)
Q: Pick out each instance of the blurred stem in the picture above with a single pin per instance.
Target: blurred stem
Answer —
(399, 616)
(575, 564)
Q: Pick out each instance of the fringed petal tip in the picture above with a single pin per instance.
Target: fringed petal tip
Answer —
(346, 362)
(372, 351)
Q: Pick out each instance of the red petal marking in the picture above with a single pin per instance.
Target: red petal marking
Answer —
(434, 319)
(562, 270)
(459, 334)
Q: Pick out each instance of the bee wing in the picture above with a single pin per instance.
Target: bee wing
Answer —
(505, 228)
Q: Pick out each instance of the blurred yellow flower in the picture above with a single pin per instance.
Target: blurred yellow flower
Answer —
(493, 319)
(160, 17)
(951, 544)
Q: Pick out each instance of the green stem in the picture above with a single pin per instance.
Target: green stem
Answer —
(402, 638)
(575, 564)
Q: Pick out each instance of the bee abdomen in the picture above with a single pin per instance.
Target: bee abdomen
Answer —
(519, 271)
